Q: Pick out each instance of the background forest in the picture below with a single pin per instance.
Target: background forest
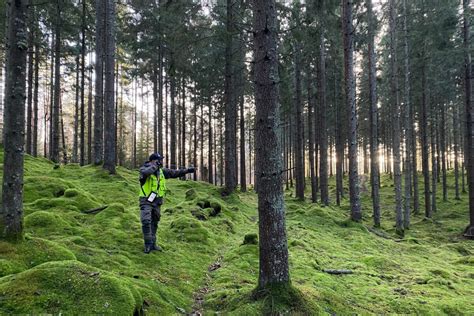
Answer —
(374, 122)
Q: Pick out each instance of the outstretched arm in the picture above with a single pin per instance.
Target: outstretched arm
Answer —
(172, 173)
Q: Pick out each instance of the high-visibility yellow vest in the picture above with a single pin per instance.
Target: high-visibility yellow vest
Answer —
(153, 185)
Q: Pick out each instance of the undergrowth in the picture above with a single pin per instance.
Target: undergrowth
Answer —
(74, 262)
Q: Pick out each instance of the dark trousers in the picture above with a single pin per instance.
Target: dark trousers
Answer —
(149, 216)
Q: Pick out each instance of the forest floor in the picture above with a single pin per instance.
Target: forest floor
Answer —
(73, 262)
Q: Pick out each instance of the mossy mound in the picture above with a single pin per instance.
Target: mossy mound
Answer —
(30, 253)
(66, 287)
(189, 229)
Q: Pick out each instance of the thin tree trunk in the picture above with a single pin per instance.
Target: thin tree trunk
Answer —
(456, 152)
(11, 220)
(425, 144)
(99, 84)
(75, 145)
(109, 105)
(348, 32)
(35, 101)
(396, 120)
(469, 131)
(442, 146)
(434, 163)
(57, 86)
(173, 138)
(274, 269)
(374, 155)
(298, 144)
(29, 111)
(83, 83)
(230, 104)
(211, 142)
(312, 171)
(323, 142)
(408, 125)
(63, 134)
(89, 121)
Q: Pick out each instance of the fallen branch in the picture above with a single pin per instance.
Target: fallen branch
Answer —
(96, 210)
(338, 272)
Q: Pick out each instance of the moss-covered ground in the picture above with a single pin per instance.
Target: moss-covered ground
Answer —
(72, 262)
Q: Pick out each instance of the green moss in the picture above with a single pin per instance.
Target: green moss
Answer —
(66, 287)
(189, 229)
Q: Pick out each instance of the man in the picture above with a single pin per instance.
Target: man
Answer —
(152, 190)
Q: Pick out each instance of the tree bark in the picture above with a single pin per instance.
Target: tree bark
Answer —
(408, 125)
(298, 118)
(11, 219)
(469, 104)
(57, 86)
(35, 101)
(312, 171)
(83, 82)
(425, 143)
(396, 120)
(323, 142)
(230, 103)
(29, 111)
(274, 269)
(99, 83)
(109, 105)
(211, 143)
(374, 144)
(348, 32)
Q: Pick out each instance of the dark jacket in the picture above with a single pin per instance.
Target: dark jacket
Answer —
(149, 168)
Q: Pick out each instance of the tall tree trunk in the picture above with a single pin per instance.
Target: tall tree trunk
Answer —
(243, 170)
(11, 220)
(230, 103)
(154, 79)
(312, 171)
(211, 142)
(456, 152)
(173, 137)
(442, 147)
(408, 125)
(83, 82)
(75, 145)
(63, 134)
(396, 120)
(29, 111)
(425, 144)
(348, 31)
(160, 100)
(338, 142)
(416, 194)
(89, 121)
(195, 137)
(469, 232)
(374, 144)
(51, 98)
(35, 101)
(298, 117)
(323, 143)
(183, 124)
(434, 163)
(57, 85)
(99, 83)
(109, 105)
(273, 246)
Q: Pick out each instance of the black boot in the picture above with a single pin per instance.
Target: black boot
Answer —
(157, 248)
(148, 248)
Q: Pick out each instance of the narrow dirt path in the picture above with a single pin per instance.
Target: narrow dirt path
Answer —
(199, 295)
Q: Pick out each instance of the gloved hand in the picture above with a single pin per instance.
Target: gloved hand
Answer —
(191, 170)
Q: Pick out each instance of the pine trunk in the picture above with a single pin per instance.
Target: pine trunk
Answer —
(469, 131)
(273, 246)
(396, 120)
(57, 86)
(298, 118)
(11, 220)
(99, 84)
(425, 143)
(408, 125)
(109, 104)
(230, 104)
(83, 83)
(323, 142)
(374, 154)
(348, 31)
